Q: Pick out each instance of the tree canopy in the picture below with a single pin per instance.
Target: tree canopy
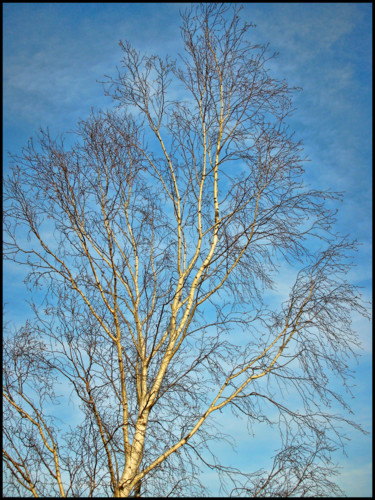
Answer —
(155, 238)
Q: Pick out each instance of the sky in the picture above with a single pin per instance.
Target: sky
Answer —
(55, 55)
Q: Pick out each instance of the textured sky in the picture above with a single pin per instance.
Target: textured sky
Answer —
(54, 55)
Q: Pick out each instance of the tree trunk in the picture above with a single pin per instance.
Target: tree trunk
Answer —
(137, 489)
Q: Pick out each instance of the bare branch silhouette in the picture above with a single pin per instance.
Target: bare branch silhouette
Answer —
(154, 238)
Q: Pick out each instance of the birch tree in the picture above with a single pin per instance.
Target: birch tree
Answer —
(155, 238)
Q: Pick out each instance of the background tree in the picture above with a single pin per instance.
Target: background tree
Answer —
(155, 237)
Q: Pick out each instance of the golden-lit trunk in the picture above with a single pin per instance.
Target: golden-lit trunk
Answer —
(128, 488)
(137, 489)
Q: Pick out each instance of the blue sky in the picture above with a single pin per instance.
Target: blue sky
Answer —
(54, 54)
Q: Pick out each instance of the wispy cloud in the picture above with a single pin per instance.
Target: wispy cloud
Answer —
(54, 53)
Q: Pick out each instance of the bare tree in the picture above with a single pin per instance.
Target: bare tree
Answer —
(154, 238)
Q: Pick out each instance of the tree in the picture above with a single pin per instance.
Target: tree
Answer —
(154, 238)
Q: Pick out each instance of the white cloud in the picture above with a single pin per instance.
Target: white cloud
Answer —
(356, 481)
(53, 78)
(50, 68)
